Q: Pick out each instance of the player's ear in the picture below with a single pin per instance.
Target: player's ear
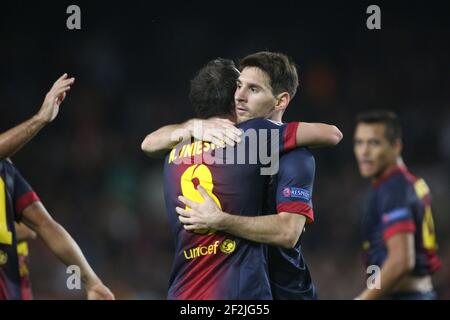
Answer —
(283, 100)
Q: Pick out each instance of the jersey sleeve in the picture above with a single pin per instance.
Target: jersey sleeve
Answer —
(396, 216)
(280, 137)
(295, 182)
(289, 136)
(24, 195)
(283, 135)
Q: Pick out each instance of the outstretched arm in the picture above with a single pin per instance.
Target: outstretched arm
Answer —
(15, 138)
(65, 248)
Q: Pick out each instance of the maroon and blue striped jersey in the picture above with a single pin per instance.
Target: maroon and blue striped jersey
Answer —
(15, 195)
(400, 202)
(210, 264)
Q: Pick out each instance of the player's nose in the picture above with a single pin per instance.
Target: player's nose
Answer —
(240, 95)
(365, 150)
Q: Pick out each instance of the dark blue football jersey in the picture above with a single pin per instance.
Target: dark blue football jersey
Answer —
(400, 202)
(15, 195)
(292, 190)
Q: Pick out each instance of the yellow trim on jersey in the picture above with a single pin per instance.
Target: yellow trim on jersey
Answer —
(421, 188)
(189, 150)
(22, 248)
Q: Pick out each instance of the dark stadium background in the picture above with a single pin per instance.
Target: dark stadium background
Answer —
(133, 61)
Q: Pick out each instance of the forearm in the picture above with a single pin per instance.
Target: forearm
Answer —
(15, 138)
(390, 275)
(270, 229)
(317, 135)
(67, 250)
(166, 138)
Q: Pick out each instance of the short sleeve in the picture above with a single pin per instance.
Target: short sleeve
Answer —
(281, 136)
(396, 214)
(24, 195)
(294, 183)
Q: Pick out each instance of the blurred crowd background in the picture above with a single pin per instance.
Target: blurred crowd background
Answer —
(133, 62)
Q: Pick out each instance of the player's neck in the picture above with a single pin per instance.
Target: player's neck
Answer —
(376, 180)
(276, 116)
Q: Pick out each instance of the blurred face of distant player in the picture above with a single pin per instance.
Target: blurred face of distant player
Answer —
(253, 97)
(374, 153)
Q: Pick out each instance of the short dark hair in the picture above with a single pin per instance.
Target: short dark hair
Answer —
(212, 90)
(279, 67)
(388, 118)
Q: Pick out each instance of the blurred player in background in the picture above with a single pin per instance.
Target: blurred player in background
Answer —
(267, 83)
(14, 139)
(398, 226)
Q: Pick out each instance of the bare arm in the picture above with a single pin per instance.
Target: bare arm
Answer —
(15, 138)
(160, 141)
(318, 134)
(282, 229)
(216, 130)
(24, 233)
(65, 248)
(399, 262)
